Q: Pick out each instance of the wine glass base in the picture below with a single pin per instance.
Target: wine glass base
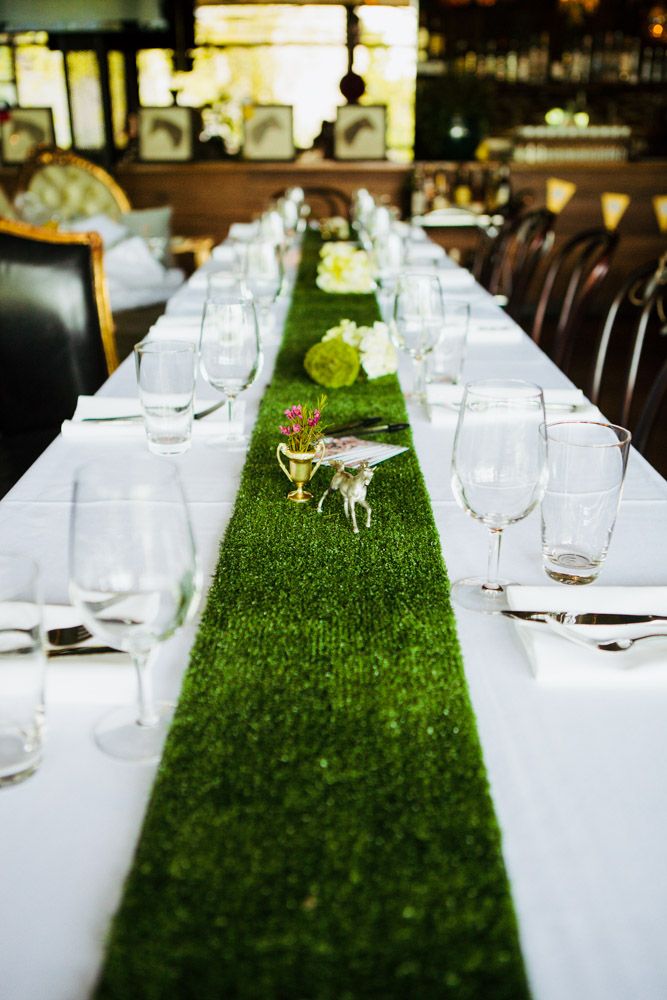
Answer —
(119, 735)
(474, 594)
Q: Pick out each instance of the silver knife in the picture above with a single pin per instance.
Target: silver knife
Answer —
(588, 618)
(80, 651)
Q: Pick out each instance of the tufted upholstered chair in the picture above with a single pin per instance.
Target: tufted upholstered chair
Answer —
(69, 187)
(56, 337)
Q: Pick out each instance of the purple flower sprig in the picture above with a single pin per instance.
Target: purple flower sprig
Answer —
(303, 425)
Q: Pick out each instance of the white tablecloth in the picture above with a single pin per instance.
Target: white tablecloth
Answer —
(576, 775)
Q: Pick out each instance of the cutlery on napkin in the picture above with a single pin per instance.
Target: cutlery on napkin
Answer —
(83, 674)
(552, 646)
(117, 417)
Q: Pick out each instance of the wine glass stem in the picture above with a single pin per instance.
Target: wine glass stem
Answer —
(493, 560)
(148, 715)
(419, 389)
(230, 409)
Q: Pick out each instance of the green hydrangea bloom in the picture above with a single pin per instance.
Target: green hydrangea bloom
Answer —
(332, 363)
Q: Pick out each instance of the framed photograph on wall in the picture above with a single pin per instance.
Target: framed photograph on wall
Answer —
(268, 132)
(360, 132)
(166, 135)
(24, 129)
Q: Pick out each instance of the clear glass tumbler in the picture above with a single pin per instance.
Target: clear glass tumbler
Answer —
(166, 374)
(445, 362)
(587, 463)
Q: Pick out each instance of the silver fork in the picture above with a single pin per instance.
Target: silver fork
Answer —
(69, 635)
(604, 645)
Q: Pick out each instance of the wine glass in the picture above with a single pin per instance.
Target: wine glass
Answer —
(263, 277)
(387, 258)
(499, 471)
(417, 323)
(134, 578)
(230, 354)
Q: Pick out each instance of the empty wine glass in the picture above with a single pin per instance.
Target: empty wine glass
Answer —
(417, 323)
(387, 258)
(499, 471)
(135, 580)
(230, 355)
(263, 278)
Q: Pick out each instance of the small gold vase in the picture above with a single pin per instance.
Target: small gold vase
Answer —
(302, 467)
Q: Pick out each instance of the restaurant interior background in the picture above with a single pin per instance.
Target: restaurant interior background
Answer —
(482, 98)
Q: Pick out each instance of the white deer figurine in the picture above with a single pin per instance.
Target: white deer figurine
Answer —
(352, 489)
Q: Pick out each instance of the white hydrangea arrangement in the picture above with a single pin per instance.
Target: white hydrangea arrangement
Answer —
(344, 268)
(377, 354)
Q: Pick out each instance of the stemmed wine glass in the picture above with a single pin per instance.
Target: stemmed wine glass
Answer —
(417, 323)
(134, 578)
(230, 354)
(387, 258)
(499, 471)
(263, 277)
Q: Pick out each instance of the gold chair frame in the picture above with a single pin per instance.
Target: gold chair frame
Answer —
(44, 156)
(48, 234)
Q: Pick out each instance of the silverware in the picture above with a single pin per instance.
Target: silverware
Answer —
(133, 417)
(80, 651)
(380, 429)
(353, 425)
(590, 618)
(620, 645)
(70, 635)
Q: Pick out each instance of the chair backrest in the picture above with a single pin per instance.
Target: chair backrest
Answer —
(69, 186)
(573, 274)
(638, 308)
(514, 254)
(56, 339)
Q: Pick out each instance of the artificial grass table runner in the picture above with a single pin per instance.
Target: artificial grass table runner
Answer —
(321, 826)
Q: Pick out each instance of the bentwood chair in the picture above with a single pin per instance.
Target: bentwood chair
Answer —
(56, 338)
(573, 275)
(631, 348)
(512, 256)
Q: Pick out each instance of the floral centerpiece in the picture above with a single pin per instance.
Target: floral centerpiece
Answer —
(344, 268)
(304, 448)
(346, 350)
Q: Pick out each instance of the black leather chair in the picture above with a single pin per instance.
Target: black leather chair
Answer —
(56, 335)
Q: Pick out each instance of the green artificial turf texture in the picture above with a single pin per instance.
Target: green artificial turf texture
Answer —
(321, 825)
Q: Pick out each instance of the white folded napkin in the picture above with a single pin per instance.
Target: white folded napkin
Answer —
(176, 328)
(77, 429)
(223, 254)
(455, 277)
(561, 404)
(557, 661)
(493, 331)
(102, 678)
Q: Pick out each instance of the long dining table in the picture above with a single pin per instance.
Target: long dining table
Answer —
(575, 770)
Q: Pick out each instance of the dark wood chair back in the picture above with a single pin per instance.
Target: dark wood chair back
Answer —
(648, 418)
(632, 342)
(573, 274)
(513, 255)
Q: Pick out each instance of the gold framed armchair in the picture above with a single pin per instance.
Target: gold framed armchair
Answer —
(67, 186)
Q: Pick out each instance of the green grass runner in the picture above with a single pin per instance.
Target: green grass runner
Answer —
(321, 827)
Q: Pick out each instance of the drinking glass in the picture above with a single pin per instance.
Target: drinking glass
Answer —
(22, 668)
(134, 579)
(166, 374)
(263, 278)
(499, 471)
(230, 354)
(445, 361)
(387, 258)
(417, 323)
(587, 463)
